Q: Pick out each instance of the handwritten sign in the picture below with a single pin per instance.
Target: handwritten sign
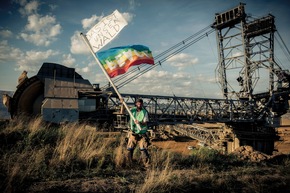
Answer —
(106, 30)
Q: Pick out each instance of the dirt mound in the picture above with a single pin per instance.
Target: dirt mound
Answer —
(248, 153)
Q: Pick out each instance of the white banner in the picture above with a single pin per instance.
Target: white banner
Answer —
(106, 30)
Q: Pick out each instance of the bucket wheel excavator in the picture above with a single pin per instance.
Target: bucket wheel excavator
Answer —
(52, 93)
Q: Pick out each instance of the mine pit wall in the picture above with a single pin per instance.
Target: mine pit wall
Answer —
(282, 145)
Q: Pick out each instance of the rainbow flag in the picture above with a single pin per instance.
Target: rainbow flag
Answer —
(118, 60)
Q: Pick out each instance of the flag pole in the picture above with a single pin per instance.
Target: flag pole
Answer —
(109, 79)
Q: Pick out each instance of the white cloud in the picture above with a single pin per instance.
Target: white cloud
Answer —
(68, 60)
(85, 69)
(128, 16)
(77, 44)
(37, 22)
(156, 74)
(29, 60)
(89, 70)
(28, 8)
(92, 63)
(182, 60)
(204, 79)
(8, 53)
(181, 75)
(39, 30)
(55, 30)
(6, 33)
(182, 83)
(35, 38)
(237, 54)
(152, 82)
(90, 22)
(84, 72)
(31, 7)
(32, 60)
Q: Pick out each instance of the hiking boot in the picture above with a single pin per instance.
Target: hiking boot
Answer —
(145, 158)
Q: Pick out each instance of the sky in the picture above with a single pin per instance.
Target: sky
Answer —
(33, 32)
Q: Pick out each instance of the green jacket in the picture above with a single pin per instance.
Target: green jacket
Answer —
(139, 116)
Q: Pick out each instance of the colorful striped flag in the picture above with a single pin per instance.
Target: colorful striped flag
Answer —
(118, 60)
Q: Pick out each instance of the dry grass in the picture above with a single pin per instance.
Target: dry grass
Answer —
(159, 177)
(120, 151)
(76, 142)
(61, 158)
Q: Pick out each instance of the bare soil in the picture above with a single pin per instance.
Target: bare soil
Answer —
(183, 146)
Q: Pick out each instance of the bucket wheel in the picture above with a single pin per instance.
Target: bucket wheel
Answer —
(28, 98)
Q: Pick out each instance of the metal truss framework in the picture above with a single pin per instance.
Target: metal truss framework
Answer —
(244, 49)
(208, 137)
(187, 110)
